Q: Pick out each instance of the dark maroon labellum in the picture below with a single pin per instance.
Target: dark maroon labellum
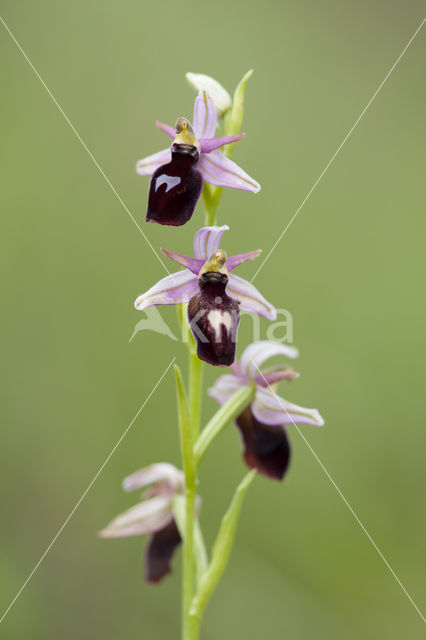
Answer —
(175, 188)
(214, 318)
(266, 447)
(159, 552)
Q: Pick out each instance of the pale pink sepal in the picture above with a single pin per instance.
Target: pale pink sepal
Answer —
(256, 354)
(147, 166)
(145, 517)
(271, 409)
(219, 170)
(250, 298)
(175, 288)
(207, 241)
(205, 117)
(160, 472)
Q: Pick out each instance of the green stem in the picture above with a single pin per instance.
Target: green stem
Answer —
(195, 389)
(189, 626)
(211, 197)
(230, 410)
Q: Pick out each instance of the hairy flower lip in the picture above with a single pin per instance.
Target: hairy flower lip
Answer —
(214, 316)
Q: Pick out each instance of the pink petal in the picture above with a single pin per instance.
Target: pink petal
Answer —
(250, 299)
(170, 131)
(209, 144)
(205, 117)
(162, 472)
(207, 241)
(259, 352)
(225, 387)
(175, 288)
(219, 170)
(234, 261)
(273, 377)
(193, 264)
(148, 165)
(271, 409)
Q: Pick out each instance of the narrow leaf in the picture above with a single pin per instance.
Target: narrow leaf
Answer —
(185, 430)
(221, 549)
(234, 118)
(230, 410)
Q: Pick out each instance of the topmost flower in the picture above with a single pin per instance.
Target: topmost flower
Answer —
(178, 171)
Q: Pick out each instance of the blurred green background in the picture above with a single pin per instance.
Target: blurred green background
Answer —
(350, 269)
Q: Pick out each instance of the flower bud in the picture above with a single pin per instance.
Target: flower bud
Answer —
(219, 95)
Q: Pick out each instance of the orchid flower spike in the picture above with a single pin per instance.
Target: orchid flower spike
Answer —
(178, 172)
(152, 516)
(262, 424)
(181, 286)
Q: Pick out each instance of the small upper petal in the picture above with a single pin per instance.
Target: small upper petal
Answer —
(210, 144)
(273, 377)
(205, 117)
(175, 288)
(225, 387)
(270, 408)
(235, 261)
(250, 299)
(219, 170)
(148, 165)
(168, 130)
(193, 264)
(207, 241)
(256, 354)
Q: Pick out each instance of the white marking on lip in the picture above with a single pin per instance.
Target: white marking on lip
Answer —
(219, 318)
(169, 181)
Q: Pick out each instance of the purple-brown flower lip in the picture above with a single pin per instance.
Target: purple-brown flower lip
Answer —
(213, 315)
